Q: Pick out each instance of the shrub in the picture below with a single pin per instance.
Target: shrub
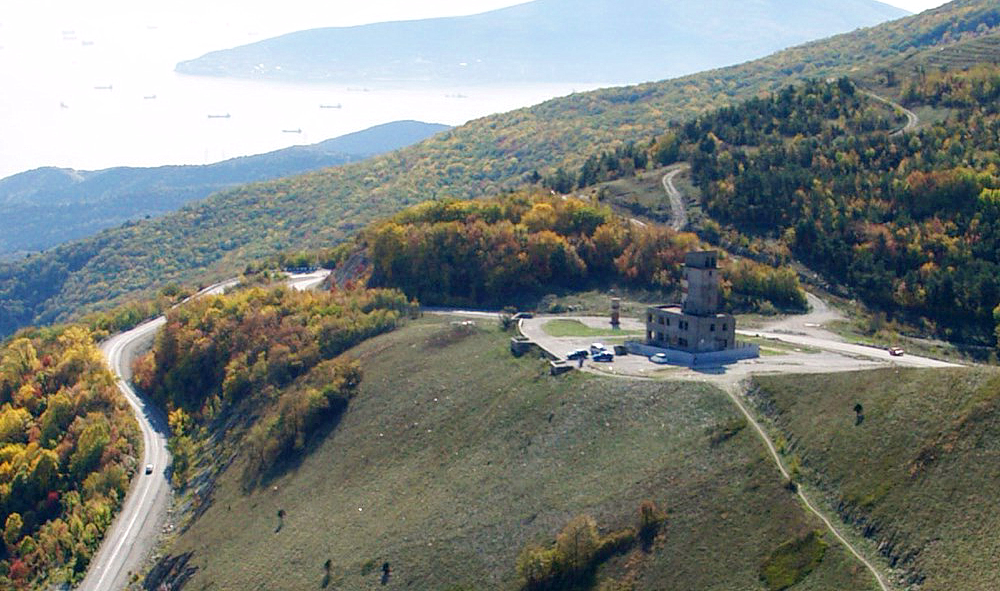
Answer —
(792, 561)
(578, 551)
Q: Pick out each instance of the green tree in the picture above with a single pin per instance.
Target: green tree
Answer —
(57, 416)
(94, 438)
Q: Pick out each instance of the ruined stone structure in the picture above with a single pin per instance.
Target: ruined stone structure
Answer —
(697, 325)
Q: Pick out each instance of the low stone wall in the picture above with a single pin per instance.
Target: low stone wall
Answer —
(675, 357)
(520, 345)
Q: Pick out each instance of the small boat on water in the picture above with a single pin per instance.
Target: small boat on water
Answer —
(226, 116)
(149, 97)
(337, 106)
(108, 87)
(299, 130)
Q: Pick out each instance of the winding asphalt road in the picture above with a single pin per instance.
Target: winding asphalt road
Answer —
(135, 530)
(134, 533)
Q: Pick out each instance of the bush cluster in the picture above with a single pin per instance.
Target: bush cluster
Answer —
(579, 549)
(272, 348)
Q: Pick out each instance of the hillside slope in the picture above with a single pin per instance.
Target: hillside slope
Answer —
(609, 41)
(913, 466)
(447, 475)
(222, 234)
(48, 206)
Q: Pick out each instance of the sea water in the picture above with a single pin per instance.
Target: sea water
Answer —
(87, 91)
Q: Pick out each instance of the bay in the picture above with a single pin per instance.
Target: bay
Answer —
(91, 86)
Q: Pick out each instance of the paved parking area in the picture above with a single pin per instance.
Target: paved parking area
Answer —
(780, 353)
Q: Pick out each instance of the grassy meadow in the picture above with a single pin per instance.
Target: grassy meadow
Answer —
(911, 458)
(454, 455)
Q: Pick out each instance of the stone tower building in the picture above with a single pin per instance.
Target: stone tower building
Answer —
(697, 325)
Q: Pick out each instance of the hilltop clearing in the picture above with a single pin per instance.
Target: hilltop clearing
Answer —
(609, 41)
(453, 456)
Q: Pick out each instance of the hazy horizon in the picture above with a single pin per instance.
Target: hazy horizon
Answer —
(56, 55)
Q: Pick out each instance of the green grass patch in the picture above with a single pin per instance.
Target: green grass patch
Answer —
(792, 562)
(564, 327)
(776, 347)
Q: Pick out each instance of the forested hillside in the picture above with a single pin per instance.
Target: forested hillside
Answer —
(48, 206)
(221, 235)
(68, 447)
(270, 354)
(513, 248)
(908, 221)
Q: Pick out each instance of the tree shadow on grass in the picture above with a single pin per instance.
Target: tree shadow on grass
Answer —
(290, 460)
(170, 572)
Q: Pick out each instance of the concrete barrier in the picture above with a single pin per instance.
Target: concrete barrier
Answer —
(520, 345)
(675, 357)
(559, 367)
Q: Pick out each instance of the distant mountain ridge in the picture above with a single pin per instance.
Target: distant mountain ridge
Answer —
(216, 238)
(47, 206)
(605, 41)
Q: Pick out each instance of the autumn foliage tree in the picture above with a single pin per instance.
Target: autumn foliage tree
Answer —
(513, 247)
(68, 444)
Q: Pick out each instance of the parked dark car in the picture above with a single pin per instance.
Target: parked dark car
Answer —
(578, 354)
(603, 356)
